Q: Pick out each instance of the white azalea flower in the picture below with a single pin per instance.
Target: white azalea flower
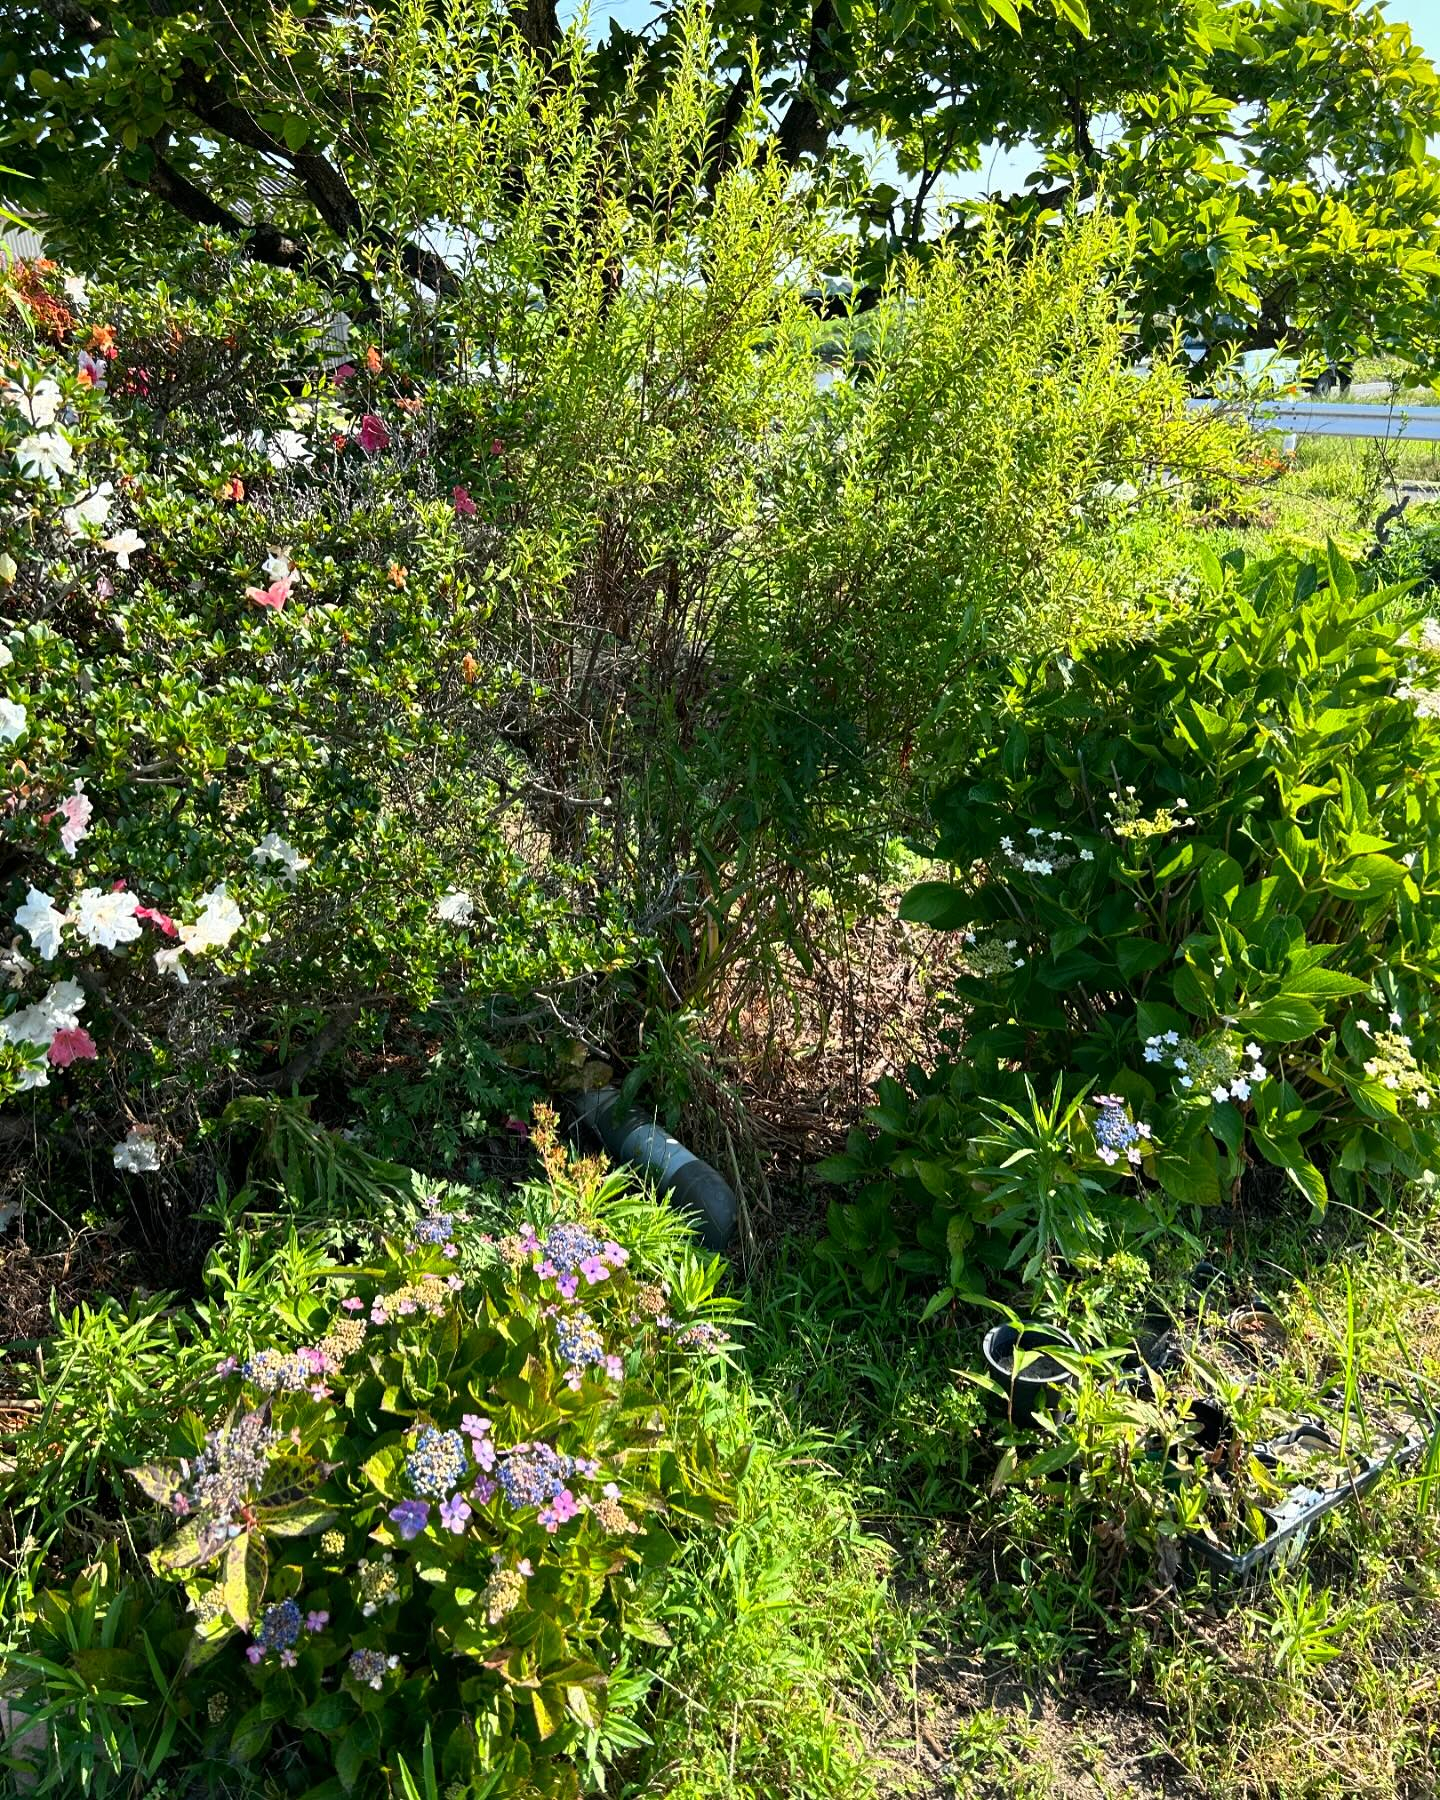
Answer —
(94, 509)
(40, 407)
(38, 1023)
(455, 909)
(278, 566)
(124, 545)
(168, 963)
(106, 919)
(43, 920)
(273, 848)
(44, 456)
(220, 918)
(139, 1154)
(13, 721)
(282, 448)
(75, 290)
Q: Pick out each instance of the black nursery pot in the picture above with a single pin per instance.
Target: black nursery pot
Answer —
(1041, 1378)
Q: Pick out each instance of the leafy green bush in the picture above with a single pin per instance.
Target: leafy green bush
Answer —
(569, 624)
(438, 1503)
(1197, 873)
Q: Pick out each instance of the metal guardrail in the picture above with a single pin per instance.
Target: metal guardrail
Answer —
(1325, 418)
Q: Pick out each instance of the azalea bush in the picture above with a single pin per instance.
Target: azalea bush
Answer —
(1196, 884)
(242, 717)
(435, 1500)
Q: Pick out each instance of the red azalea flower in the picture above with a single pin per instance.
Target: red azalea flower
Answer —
(464, 505)
(161, 921)
(373, 435)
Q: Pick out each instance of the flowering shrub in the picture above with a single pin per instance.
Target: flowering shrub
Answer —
(1225, 922)
(240, 717)
(441, 1501)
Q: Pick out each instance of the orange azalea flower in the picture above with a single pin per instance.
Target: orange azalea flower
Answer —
(397, 575)
(372, 360)
(410, 406)
(102, 338)
(234, 489)
(469, 668)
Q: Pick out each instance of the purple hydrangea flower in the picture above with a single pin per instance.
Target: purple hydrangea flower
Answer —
(455, 1513)
(410, 1518)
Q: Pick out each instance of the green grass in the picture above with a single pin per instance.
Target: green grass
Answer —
(1014, 1641)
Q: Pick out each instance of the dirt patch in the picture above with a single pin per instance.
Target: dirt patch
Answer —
(971, 1733)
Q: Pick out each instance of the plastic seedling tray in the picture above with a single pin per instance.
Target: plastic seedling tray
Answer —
(1292, 1519)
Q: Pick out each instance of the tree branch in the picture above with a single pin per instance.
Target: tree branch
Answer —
(803, 128)
(177, 190)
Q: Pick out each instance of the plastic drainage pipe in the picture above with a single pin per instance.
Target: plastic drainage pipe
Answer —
(693, 1185)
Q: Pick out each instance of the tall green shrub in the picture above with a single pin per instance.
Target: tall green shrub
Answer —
(1195, 870)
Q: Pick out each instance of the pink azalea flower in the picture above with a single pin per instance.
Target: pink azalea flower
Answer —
(373, 435)
(464, 505)
(275, 595)
(496, 447)
(161, 921)
(341, 375)
(75, 1044)
(76, 810)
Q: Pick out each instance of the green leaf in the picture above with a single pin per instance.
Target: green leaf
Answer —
(549, 1713)
(1324, 984)
(1138, 956)
(1283, 1019)
(242, 1578)
(940, 904)
(297, 1518)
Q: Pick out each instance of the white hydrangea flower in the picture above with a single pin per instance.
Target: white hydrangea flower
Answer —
(139, 1154)
(273, 848)
(43, 920)
(105, 919)
(455, 908)
(94, 510)
(14, 721)
(44, 456)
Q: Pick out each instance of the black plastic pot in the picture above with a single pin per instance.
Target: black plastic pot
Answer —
(1042, 1378)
